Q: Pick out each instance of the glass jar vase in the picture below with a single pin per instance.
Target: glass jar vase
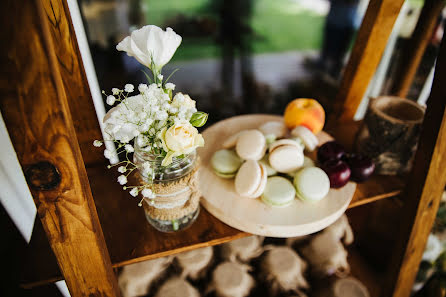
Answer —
(176, 202)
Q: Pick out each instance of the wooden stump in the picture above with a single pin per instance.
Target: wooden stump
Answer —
(389, 133)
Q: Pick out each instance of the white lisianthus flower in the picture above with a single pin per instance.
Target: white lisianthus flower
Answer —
(129, 88)
(151, 44)
(160, 76)
(129, 148)
(111, 100)
(134, 192)
(122, 179)
(115, 91)
(148, 193)
(122, 169)
(170, 86)
(97, 143)
(181, 138)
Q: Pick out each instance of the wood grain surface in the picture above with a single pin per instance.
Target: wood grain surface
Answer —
(252, 215)
(424, 188)
(369, 46)
(34, 105)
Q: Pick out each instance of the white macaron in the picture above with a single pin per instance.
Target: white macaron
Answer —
(308, 138)
(283, 142)
(286, 155)
(251, 145)
(277, 129)
(231, 141)
(312, 184)
(250, 180)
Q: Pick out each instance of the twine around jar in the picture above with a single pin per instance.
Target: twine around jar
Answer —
(174, 193)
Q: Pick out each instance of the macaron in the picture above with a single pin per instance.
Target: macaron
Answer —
(251, 179)
(275, 128)
(281, 142)
(231, 141)
(279, 192)
(307, 163)
(308, 138)
(225, 163)
(312, 184)
(251, 145)
(269, 170)
(286, 155)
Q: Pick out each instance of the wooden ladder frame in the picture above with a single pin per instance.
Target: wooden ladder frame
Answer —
(47, 107)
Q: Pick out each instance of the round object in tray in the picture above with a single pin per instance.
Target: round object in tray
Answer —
(308, 138)
(279, 192)
(312, 184)
(250, 180)
(231, 141)
(286, 158)
(338, 172)
(269, 170)
(251, 145)
(225, 163)
(305, 112)
(276, 129)
(362, 167)
(330, 150)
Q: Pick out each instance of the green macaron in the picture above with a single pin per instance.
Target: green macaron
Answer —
(312, 184)
(225, 163)
(279, 192)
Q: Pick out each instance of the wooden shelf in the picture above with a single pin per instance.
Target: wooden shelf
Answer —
(130, 239)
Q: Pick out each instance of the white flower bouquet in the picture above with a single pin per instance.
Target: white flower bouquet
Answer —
(151, 118)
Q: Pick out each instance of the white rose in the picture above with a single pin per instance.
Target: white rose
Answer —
(151, 42)
(181, 138)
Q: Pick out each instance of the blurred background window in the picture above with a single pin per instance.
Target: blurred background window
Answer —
(245, 56)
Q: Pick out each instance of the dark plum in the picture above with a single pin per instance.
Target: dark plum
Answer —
(361, 166)
(338, 172)
(330, 150)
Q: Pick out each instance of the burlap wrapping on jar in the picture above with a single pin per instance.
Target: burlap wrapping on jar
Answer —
(174, 199)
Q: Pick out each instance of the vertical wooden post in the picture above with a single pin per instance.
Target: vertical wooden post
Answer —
(366, 54)
(35, 105)
(423, 191)
(414, 50)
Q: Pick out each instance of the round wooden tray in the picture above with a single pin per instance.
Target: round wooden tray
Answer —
(251, 215)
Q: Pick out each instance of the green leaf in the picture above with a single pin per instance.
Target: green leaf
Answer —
(148, 77)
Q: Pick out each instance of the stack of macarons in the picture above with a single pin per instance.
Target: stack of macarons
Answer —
(269, 162)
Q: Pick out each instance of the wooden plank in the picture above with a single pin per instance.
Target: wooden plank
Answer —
(423, 191)
(36, 112)
(366, 54)
(74, 79)
(414, 50)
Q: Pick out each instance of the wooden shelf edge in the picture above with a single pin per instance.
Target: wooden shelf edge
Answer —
(365, 201)
(180, 250)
